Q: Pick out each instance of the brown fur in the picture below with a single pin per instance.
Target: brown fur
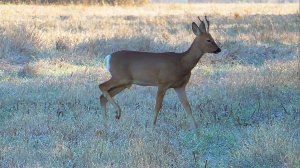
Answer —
(164, 70)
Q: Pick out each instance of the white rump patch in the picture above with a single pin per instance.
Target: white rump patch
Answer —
(107, 62)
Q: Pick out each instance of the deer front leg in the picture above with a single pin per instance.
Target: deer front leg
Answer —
(159, 98)
(184, 101)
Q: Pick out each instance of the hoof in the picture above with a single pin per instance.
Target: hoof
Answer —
(118, 117)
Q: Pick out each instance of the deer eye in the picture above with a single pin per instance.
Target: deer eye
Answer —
(208, 40)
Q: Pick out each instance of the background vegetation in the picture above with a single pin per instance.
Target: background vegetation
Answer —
(245, 99)
(137, 2)
(84, 2)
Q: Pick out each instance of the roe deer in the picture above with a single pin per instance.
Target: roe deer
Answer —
(164, 70)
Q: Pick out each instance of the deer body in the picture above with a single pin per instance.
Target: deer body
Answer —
(161, 68)
(164, 70)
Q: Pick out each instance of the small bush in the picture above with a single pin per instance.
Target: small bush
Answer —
(51, 68)
(126, 2)
(20, 43)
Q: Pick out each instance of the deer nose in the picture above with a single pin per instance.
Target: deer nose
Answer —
(217, 51)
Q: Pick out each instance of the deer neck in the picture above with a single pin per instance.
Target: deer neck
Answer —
(191, 57)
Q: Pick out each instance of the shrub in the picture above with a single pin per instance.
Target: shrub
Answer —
(19, 43)
(126, 2)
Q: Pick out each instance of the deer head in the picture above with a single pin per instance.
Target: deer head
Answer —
(204, 41)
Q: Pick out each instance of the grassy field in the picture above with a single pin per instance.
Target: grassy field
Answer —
(246, 99)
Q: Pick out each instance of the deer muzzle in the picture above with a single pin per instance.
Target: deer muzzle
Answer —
(217, 51)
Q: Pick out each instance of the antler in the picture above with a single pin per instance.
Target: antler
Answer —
(202, 25)
(207, 23)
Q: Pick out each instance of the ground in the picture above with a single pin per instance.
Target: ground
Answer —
(244, 99)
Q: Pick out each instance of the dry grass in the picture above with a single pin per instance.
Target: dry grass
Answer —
(245, 99)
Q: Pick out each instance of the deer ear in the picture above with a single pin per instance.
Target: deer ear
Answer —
(196, 29)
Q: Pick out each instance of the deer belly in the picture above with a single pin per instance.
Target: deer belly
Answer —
(144, 78)
(144, 83)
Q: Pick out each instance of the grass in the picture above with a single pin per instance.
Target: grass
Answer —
(245, 99)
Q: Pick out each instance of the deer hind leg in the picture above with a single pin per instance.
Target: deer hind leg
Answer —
(185, 103)
(112, 92)
(105, 87)
(159, 98)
